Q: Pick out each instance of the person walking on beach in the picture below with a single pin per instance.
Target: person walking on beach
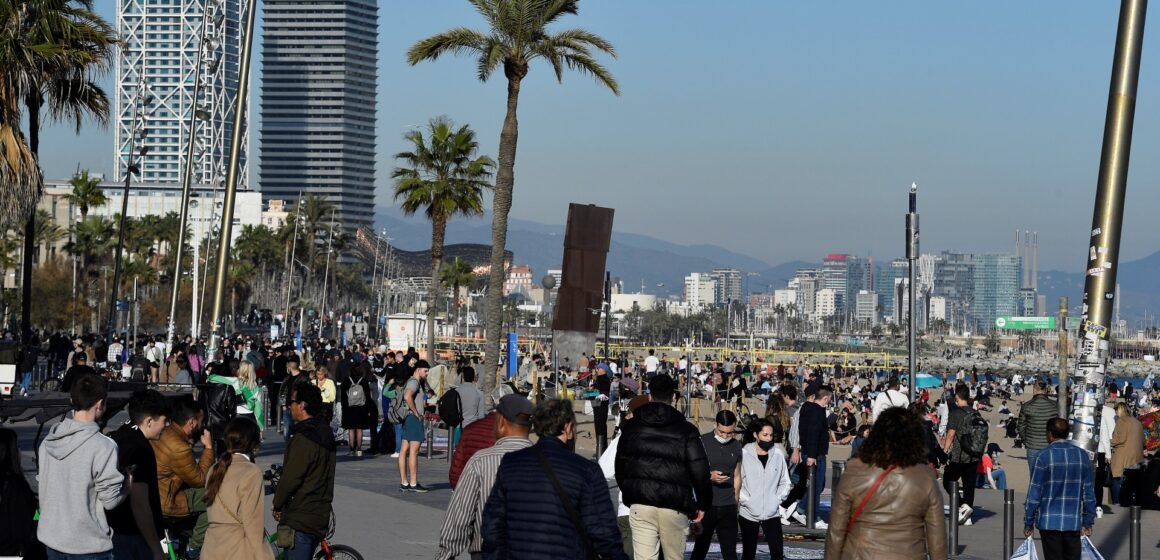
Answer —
(1061, 500)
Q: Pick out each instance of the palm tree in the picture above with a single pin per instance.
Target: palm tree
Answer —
(92, 239)
(47, 233)
(49, 51)
(86, 193)
(442, 176)
(455, 275)
(517, 35)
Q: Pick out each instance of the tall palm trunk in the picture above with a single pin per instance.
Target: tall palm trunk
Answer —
(501, 206)
(438, 235)
(28, 256)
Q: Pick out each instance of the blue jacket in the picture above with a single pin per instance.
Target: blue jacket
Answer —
(525, 519)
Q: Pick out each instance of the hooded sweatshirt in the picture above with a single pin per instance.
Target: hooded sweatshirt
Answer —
(763, 485)
(78, 480)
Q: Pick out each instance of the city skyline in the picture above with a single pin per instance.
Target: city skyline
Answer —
(795, 162)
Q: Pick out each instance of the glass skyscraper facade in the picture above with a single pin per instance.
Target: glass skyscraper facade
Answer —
(161, 40)
(996, 289)
(319, 69)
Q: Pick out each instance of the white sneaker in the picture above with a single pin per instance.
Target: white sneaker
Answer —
(965, 512)
(968, 522)
(394, 455)
(1099, 513)
(819, 524)
(798, 516)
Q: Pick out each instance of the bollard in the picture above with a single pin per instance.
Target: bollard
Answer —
(430, 429)
(838, 467)
(1134, 535)
(811, 506)
(953, 524)
(1008, 522)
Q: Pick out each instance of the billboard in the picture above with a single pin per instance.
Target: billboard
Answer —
(1025, 323)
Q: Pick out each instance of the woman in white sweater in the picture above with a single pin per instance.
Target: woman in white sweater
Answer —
(764, 484)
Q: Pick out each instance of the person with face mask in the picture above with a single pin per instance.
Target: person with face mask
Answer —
(724, 454)
(764, 484)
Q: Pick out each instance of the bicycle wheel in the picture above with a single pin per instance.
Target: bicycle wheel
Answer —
(49, 385)
(338, 552)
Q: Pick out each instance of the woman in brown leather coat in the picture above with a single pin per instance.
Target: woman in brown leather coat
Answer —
(903, 517)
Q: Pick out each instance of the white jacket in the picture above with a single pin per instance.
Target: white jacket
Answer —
(887, 399)
(763, 487)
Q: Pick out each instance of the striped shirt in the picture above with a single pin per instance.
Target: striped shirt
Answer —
(1061, 496)
(461, 528)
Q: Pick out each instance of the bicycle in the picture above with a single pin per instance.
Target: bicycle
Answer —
(326, 551)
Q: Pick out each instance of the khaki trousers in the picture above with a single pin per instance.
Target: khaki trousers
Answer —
(657, 532)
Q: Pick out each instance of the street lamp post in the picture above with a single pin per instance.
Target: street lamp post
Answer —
(549, 284)
(243, 95)
(197, 114)
(912, 253)
(137, 130)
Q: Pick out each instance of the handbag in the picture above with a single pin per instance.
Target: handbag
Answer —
(591, 553)
(1087, 550)
(862, 504)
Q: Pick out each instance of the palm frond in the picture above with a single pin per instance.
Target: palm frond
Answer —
(460, 40)
(587, 65)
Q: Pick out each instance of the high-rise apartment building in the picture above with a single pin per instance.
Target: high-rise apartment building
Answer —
(866, 308)
(826, 303)
(809, 281)
(161, 44)
(700, 290)
(319, 68)
(996, 288)
(846, 275)
(954, 281)
(729, 284)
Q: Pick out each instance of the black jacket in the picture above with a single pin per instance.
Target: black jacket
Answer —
(814, 431)
(524, 517)
(661, 462)
(306, 490)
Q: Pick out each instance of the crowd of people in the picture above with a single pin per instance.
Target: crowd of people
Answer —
(185, 466)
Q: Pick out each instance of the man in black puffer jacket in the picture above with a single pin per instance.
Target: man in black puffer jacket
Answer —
(663, 474)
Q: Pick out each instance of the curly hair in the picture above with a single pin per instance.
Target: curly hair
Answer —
(897, 438)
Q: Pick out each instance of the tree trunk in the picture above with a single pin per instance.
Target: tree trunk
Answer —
(501, 206)
(28, 256)
(438, 234)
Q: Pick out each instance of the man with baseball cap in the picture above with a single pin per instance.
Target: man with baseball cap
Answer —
(461, 528)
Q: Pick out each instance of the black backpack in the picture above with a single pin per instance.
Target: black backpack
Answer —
(451, 408)
(973, 441)
(220, 404)
(140, 369)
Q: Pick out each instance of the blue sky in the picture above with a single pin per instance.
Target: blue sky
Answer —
(787, 130)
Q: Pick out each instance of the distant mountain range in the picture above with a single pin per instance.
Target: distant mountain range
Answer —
(637, 259)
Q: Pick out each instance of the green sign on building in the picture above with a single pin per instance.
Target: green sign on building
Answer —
(1025, 323)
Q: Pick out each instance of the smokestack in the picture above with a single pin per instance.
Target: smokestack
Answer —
(1035, 261)
(1016, 243)
(1026, 260)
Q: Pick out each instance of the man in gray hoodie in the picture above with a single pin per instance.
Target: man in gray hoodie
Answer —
(79, 480)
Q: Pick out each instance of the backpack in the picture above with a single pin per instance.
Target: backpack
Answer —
(973, 442)
(451, 408)
(355, 396)
(140, 370)
(398, 411)
(220, 403)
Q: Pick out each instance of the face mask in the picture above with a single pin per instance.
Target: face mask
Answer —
(722, 440)
(765, 445)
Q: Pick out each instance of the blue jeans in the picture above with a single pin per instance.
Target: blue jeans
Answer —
(26, 380)
(287, 420)
(997, 474)
(1032, 454)
(1116, 490)
(819, 485)
(56, 555)
(304, 545)
(131, 547)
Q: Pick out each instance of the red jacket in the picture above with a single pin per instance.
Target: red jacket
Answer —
(478, 435)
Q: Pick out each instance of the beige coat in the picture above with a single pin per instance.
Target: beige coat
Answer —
(236, 518)
(903, 520)
(1127, 444)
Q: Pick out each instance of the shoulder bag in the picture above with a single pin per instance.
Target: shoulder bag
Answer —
(862, 505)
(590, 552)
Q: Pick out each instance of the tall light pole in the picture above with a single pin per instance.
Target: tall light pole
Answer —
(197, 114)
(912, 253)
(144, 98)
(1102, 253)
(223, 256)
(549, 284)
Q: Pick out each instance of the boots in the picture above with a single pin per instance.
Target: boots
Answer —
(601, 445)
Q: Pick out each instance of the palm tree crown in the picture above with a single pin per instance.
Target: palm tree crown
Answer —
(518, 34)
(443, 176)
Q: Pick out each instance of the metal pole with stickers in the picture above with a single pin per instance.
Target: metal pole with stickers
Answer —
(1103, 250)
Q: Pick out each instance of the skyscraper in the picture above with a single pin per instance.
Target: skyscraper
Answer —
(161, 40)
(996, 288)
(319, 69)
(728, 285)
